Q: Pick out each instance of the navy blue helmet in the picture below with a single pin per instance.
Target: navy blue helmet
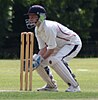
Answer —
(38, 10)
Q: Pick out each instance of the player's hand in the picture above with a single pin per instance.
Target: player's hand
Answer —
(37, 59)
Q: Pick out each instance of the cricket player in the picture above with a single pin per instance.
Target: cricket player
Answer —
(58, 45)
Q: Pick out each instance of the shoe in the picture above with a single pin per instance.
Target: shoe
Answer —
(48, 88)
(73, 89)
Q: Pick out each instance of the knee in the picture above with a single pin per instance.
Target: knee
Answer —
(52, 60)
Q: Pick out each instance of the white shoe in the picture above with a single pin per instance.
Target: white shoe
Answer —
(73, 89)
(48, 88)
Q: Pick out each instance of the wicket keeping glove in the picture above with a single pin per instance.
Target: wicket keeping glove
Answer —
(37, 59)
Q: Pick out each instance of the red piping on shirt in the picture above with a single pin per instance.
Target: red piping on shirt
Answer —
(61, 30)
(63, 38)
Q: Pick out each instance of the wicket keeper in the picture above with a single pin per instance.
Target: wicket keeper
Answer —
(58, 45)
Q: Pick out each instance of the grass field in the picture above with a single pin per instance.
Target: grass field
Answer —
(86, 71)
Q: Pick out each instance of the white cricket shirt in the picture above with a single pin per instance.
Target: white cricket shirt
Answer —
(53, 34)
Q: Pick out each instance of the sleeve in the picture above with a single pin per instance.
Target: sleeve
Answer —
(41, 43)
(51, 42)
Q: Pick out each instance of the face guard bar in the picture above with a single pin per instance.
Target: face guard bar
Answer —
(31, 24)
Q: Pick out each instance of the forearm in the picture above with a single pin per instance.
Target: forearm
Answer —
(45, 53)
(42, 51)
(48, 53)
(41, 56)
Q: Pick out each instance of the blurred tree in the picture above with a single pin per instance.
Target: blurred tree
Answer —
(5, 19)
(75, 14)
(94, 27)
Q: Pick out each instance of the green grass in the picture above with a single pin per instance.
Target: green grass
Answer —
(86, 71)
